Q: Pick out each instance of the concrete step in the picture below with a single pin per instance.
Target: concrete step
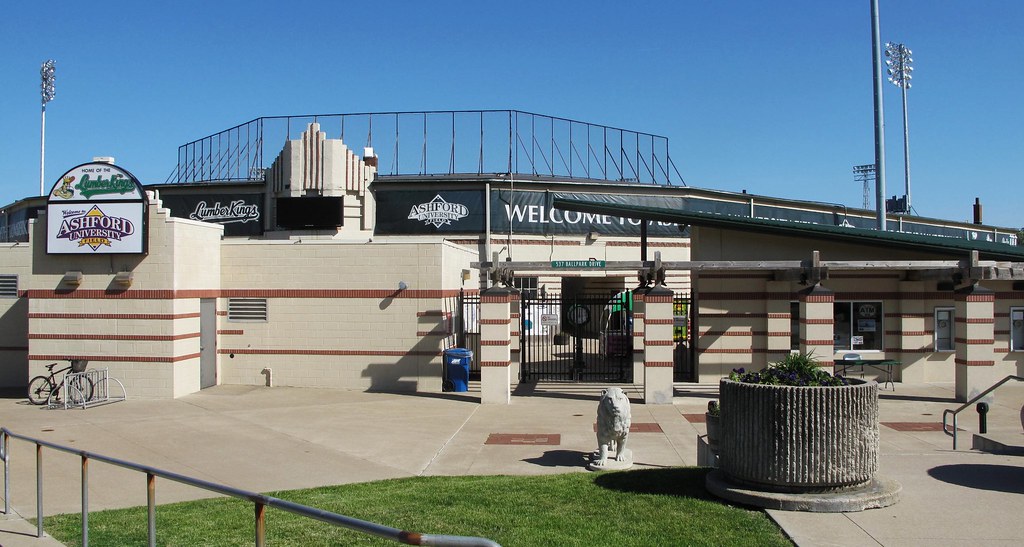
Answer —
(1000, 442)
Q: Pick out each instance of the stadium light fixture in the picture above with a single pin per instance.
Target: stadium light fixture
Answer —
(900, 71)
(47, 90)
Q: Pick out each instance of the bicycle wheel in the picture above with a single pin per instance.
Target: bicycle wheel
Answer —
(80, 390)
(39, 390)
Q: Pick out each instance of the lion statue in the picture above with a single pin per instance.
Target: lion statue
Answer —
(613, 420)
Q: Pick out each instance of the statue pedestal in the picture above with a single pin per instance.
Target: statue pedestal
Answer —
(612, 464)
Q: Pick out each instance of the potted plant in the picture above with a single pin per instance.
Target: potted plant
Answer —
(793, 427)
(712, 420)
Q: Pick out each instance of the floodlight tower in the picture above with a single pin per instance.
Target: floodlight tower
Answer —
(865, 174)
(48, 92)
(900, 73)
(876, 78)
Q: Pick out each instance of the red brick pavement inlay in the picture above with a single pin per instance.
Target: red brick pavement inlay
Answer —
(695, 418)
(525, 438)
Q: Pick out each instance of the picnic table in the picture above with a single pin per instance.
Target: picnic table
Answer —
(885, 366)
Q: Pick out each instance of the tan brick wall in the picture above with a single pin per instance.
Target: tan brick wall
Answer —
(15, 259)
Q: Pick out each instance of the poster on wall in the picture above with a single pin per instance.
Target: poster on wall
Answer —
(96, 208)
(240, 214)
(421, 212)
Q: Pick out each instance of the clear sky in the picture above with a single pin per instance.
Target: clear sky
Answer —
(770, 97)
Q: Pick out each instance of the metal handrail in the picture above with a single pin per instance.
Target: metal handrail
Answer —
(260, 501)
(969, 403)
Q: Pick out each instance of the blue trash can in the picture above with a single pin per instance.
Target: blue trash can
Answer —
(456, 369)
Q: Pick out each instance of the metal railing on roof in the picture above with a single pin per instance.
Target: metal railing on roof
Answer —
(260, 501)
(442, 142)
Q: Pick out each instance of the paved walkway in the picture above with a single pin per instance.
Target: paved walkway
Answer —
(266, 439)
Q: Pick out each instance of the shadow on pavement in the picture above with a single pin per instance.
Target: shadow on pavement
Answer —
(999, 478)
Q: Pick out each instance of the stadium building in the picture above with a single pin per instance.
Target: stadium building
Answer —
(276, 254)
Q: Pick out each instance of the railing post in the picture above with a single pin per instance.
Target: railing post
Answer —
(5, 444)
(261, 524)
(151, 507)
(39, 490)
(85, 501)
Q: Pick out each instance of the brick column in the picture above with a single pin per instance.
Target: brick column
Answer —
(639, 315)
(658, 346)
(777, 320)
(975, 324)
(516, 341)
(495, 346)
(817, 324)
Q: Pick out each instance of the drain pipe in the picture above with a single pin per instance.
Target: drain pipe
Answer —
(269, 373)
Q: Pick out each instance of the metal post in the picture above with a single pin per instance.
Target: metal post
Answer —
(85, 501)
(39, 490)
(6, 440)
(261, 524)
(151, 507)
(876, 61)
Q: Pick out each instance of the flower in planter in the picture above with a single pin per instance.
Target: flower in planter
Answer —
(713, 408)
(797, 369)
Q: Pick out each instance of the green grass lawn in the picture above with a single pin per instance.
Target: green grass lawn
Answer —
(640, 507)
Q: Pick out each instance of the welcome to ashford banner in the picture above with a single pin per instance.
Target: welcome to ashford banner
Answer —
(96, 208)
(417, 212)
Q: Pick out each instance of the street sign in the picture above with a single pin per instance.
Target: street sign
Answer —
(578, 264)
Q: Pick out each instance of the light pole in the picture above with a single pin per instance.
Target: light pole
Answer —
(876, 72)
(47, 90)
(900, 68)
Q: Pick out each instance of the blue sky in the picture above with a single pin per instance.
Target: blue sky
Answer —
(770, 97)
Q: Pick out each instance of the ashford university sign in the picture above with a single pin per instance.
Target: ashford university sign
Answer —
(96, 208)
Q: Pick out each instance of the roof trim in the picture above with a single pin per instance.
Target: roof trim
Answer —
(944, 245)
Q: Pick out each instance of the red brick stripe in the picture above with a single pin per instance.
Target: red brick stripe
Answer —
(116, 359)
(495, 363)
(167, 294)
(134, 337)
(659, 364)
(970, 363)
(495, 321)
(495, 342)
(155, 316)
(231, 331)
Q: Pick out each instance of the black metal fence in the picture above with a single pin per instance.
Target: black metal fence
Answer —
(450, 142)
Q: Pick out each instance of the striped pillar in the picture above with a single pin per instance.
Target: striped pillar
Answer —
(495, 345)
(974, 332)
(516, 341)
(658, 346)
(777, 341)
(639, 314)
(817, 324)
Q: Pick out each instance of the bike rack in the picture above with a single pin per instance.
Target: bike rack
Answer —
(100, 394)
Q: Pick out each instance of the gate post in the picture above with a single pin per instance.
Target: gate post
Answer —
(495, 345)
(639, 317)
(974, 324)
(658, 346)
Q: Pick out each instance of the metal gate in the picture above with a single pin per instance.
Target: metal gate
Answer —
(582, 338)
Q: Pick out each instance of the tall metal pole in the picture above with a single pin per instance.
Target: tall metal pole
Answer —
(901, 71)
(47, 91)
(876, 60)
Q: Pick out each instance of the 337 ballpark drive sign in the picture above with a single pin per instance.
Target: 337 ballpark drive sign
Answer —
(96, 208)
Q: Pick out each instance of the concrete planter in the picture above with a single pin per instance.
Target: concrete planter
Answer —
(799, 439)
(713, 423)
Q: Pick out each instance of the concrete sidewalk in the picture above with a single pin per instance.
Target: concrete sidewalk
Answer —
(266, 439)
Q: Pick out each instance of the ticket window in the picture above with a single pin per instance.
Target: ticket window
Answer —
(944, 329)
(1016, 329)
(858, 326)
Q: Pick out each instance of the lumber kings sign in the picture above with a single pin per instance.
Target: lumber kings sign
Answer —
(96, 208)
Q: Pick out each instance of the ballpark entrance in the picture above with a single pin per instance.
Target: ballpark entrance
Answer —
(581, 338)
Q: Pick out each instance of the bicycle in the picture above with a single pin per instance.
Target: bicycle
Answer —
(46, 389)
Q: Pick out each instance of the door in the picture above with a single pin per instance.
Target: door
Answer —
(207, 342)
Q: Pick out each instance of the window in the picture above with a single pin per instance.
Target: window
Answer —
(8, 286)
(1016, 329)
(944, 329)
(527, 286)
(247, 309)
(858, 326)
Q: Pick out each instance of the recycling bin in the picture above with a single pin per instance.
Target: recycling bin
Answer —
(456, 369)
